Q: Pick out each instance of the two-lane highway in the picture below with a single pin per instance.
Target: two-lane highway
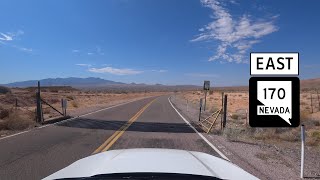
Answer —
(147, 123)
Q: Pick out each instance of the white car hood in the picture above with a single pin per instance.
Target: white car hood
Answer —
(152, 160)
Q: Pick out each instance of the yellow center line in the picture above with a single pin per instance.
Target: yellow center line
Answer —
(115, 136)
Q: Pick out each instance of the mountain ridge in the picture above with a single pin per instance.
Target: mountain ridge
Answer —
(70, 81)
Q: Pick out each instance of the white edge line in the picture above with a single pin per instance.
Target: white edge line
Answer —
(12, 135)
(204, 138)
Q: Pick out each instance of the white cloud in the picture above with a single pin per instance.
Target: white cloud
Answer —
(203, 75)
(10, 36)
(160, 71)
(91, 51)
(86, 65)
(5, 37)
(26, 49)
(115, 71)
(236, 36)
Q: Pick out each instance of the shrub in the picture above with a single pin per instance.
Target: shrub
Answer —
(74, 104)
(291, 136)
(314, 138)
(17, 120)
(4, 113)
(54, 90)
(54, 101)
(235, 116)
(304, 115)
(4, 90)
(234, 134)
(316, 134)
(70, 97)
(265, 134)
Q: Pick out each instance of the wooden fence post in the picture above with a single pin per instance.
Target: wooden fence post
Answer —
(225, 110)
(16, 103)
(62, 107)
(221, 122)
(318, 100)
(39, 106)
(311, 103)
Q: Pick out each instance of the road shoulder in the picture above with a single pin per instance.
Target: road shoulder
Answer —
(256, 159)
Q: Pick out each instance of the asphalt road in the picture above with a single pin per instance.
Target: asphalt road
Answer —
(146, 123)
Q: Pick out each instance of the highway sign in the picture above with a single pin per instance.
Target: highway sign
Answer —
(274, 63)
(274, 101)
(206, 85)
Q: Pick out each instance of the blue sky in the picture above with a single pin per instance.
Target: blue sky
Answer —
(148, 41)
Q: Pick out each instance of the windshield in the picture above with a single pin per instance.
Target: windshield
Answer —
(215, 88)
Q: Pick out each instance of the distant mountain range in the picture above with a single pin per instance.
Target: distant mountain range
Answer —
(93, 83)
(72, 81)
(103, 84)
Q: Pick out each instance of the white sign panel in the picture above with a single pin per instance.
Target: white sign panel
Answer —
(274, 63)
(276, 97)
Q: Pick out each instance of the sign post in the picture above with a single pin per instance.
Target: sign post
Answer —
(274, 101)
(64, 107)
(200, 109)
(206, 88)
(302, 151)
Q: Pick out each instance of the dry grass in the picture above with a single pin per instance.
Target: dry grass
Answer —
(74, 104)
(17, 120)
(236, 100)
(70, 97)
(236, 129)
(314, 138)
